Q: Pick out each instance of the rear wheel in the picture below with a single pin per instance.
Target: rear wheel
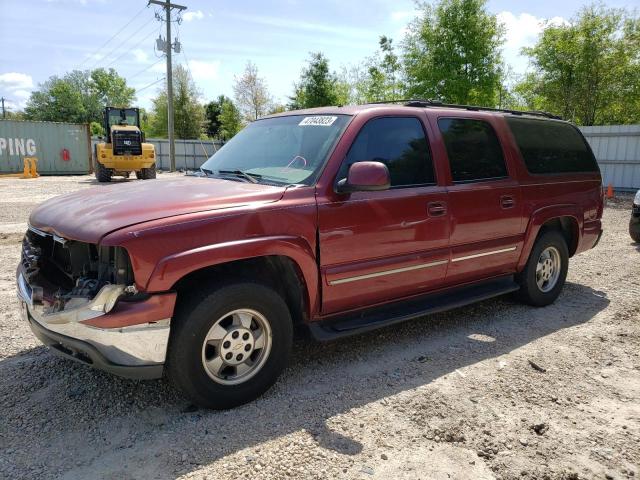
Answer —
(229, 344)
(543, 277)
(147, 173)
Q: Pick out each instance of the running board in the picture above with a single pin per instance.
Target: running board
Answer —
(377, 317)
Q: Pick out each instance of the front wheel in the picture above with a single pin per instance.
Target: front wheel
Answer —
(544, 275)
(229, 344)
(634, 229)
(147, 173)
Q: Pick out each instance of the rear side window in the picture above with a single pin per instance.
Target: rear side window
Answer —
(473, 149)
(551, 147)
(399, 143)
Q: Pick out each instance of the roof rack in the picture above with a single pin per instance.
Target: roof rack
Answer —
(418, 102)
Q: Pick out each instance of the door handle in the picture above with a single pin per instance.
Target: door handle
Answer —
(507, 201)
(437, 209)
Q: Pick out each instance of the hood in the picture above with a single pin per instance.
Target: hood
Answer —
(88, 215)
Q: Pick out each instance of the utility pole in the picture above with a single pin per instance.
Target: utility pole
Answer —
(168, 6)
(4, 113)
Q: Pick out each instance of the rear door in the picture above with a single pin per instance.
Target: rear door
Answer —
(484, 200)
(385, 245)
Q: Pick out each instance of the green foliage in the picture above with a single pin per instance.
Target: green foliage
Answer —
(452, 53)
(277, 108)
(188, 113)
(96, 129)
(587, 71)
(212, 113)
(380, 80)
(317, 86)
(79, 96)
(230, 120)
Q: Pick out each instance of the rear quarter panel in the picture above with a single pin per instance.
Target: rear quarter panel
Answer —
(549, 196)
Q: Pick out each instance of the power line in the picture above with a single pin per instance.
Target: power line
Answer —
(128, 51)
(113, 36)
(121, 44)
(150, 85)
(145, 69)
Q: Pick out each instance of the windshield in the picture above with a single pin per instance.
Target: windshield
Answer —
(130, 116)
(281, 150)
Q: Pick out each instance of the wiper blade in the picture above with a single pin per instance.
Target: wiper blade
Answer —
(252, 177)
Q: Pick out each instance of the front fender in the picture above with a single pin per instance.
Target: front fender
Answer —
(172, 268)
(542, 216)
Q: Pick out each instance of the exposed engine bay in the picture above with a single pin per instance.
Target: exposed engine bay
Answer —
(65, 273)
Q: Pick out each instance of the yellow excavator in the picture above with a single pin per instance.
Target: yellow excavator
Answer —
(124, 150)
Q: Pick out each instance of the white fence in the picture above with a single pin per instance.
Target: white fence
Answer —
(617, 149)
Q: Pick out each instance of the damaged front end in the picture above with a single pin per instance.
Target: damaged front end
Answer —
(80, 299)
(72, 281)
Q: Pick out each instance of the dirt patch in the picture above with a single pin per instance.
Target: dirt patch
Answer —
(451, 396)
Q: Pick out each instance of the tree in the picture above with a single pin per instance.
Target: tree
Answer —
(230, 120)
(97, 130)
(188, 113)
(252, 95)
(317, 85)
(452, 53)
(381, 79)
(79, 96)
(212, 111)
(588, 70)
(56, 101)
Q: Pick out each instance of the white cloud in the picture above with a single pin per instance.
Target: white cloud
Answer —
(14, 81)
(294, 24)
(202, 70)
(402, 15)
(189, 16)
(23, 94)
(17, 88)
(522, 31)
(140, 55)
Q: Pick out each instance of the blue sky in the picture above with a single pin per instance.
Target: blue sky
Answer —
(40, 38)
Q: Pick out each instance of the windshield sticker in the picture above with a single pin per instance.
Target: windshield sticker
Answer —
(319, 121)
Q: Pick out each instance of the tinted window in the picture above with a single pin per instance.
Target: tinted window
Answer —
(551, 147)
(473, 149)
(400, 144)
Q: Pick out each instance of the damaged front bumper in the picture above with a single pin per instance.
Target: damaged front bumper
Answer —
(125, 338)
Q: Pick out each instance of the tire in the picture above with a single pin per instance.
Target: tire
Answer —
(233, 385)
(147, 173)
(102, 173)
(534, 290)
(634, 229)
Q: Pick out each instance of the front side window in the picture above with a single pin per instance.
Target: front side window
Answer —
(280, 150)
(473, 149)
(399, 143)
(551, 146)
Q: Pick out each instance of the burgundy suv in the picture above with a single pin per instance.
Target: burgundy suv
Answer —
(343, 219)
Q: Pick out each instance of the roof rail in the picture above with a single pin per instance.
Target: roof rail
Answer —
(418, 102)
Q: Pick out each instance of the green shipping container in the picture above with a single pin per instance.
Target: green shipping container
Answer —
(61, 148)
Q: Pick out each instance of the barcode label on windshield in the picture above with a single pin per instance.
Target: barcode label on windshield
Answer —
(319, 121)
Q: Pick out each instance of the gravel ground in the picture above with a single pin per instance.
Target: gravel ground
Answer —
(451, 396)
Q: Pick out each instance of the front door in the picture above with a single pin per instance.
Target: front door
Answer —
(380, 246)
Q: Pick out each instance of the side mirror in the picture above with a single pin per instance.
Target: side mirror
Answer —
(365, 177)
